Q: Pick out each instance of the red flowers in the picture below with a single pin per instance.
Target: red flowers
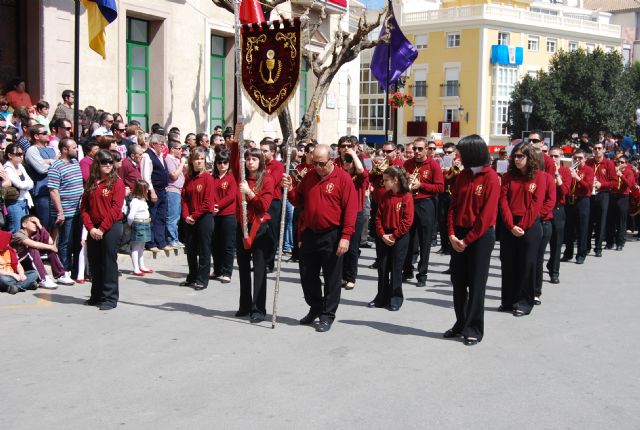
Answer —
(397, 100)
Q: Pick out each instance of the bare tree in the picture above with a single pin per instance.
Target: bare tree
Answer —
(344, 47)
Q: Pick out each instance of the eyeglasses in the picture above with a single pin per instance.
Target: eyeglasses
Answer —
(320, 163)
(535, 140)
(419, 148)
(621, 162)
(448, 152)
(106, 162)
(345, 146)
(519, 156)
(121, 130)
(388, 151)
(43, 133)
(222, 162)
(4, 104)
(431, 148)
(18, 154)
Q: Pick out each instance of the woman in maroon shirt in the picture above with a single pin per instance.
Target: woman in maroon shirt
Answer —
(197, 207)
(101, 212)
(472, 215)
(224, 210)
(521, 199)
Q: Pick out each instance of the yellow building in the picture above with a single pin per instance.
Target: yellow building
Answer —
(472, 53)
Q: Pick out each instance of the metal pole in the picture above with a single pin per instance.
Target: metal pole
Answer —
(283, 214)
(386, 86)
(76, 73)
(240, 115)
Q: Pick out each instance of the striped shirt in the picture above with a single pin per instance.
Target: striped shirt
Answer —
(66, 177)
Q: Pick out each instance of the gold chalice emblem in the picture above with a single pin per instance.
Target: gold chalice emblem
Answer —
(271, 64)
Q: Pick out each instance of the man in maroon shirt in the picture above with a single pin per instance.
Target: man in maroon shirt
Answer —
(562, 180)
(426, 181)
(605, 180)
(329, 199)
(275, 169)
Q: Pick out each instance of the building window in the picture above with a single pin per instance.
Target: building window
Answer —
(626, 54)
(304, 74)
(545, 11)
(503, 38)
(551, 45)
(591, 47)
(372, 114)
(419, 114)
(504, 80)
(216, 102)
(138, 71)
(451, 85)
(420, 83)
(573, 46)
(532, 44)
(450, 114)
(453, 40)
(422, 41)
(368, 83)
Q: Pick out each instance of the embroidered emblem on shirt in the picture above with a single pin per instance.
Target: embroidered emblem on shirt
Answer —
(398, 206)
(532, 188)
(199, 187)
(425, 174)
(105, 192)
(224, 185)
(479, 190)
(329, 188)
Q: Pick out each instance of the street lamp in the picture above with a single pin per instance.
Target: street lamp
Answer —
(527, 107)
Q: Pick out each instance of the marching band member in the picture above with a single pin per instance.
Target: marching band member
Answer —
(577, 208)
(444, 198)
(224, 211)
(521, 199)
(330, 205)
(546, 219)
(605, 180)
(394, 218)
(426, 181)
(197, 205)
(275, 169)
(472, 215)
(302, 169)
(562, 180)
(617, 229)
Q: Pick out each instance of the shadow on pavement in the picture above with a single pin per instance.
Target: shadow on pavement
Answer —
(435, 302)
(59, 298)
(344, 301)
(393, 328)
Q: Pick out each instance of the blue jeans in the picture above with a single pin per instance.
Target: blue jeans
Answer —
(6, 280)
(158, 212)
(174, 208)
(15, 211)
(288, 228)
(66, 232)
(41, 206)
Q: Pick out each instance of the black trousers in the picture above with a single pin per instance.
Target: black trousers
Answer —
(617, 223)
(224, 244)
(295, 252)
(103, 260)
(158, 213)
(444, 199)
(577, 226)
(350, 261)
(259, 254)
(556, 241)
(372, 220)
(318, 252)
(199, 239)
(518, 264)
(275, 212)
(598, 219)
(423, 223)
(547, 229)
(390, 262)
(469, 275)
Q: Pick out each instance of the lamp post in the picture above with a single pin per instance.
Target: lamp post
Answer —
(527, 107)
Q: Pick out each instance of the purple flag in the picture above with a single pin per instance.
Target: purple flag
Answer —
(403, 54)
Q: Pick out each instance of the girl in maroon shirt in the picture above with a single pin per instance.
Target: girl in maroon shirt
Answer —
(224, 210)
(471, 219)
(394, 218)
(522, 195)
(197, 207)
(101, 212)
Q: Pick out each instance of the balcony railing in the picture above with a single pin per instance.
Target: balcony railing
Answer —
(450, 89)
(419, 89)
(514, 15)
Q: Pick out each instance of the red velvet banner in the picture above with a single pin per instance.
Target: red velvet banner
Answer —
(271, 62)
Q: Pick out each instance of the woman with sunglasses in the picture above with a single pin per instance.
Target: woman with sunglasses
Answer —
(521, 199)
(352, 164)
(17, 203)
(101, 211)
(258, 247)
(225, 189)
(197, 205)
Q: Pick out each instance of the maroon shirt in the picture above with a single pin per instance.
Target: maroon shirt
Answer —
(431, 178)
(129, 173)
(521, 197)
(584, 186)
(224, 193)
(395, 214)
(328, 202)
(605, 173)
(474, 203)
(275, 169)
(102, 207)
(549, 164)
(258, 206)
(546, 213)
(563, 190)
(625, 182)
(361, 183)
(197, 195)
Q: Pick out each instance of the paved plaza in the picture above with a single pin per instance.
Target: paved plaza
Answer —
(172, 358)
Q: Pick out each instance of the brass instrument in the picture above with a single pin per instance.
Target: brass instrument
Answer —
(379, 168)
(414, 178)
(298, 175)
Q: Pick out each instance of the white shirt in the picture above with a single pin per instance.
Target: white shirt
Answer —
(638, 117)
(23, 185)
(138, 208)
(102, 131)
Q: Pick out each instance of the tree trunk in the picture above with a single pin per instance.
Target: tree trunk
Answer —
(286, 125)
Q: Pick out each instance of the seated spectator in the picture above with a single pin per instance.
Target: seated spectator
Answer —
(4, 110)
(42, 113)
(106, 119)
(17, 96)
(13, 277)
(65, 109)
(33, 240)
(17, 205)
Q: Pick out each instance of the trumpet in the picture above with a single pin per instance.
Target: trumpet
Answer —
(379, 168)
(414, 178)
(298, 175)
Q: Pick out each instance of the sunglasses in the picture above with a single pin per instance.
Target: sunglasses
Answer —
(419, 148)
(535, 140)
(519, 156)
(388, 151)
(431, 148)
(222, 162)
(121, 130)
(448, 152)
(67, 128)
(18, 154)
(106, 162)
(43, 133)
(320, 163)
(346, 146)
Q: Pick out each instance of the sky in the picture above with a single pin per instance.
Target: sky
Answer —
(374, 4)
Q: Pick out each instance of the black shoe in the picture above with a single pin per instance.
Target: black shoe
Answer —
(374, 265)
(366, 245)
(33, 286)
(609, 246)
(518, 313)
(106, 307)
(579, 260)
(447, 272)
(186, 284)
(566, 258)
(537, 301)
(503, 308)
(241, 313)
(199, 287)
(309, 318)
(324, 326)
(421, 283)
(555, 280)
(256, 318)
(393, 308)
(440, 251)
(372, 304)
(619, 247)
(270, 270)
(450, 334)
(470, 341)
(407, 276)
(91, 302)
(598, 253)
